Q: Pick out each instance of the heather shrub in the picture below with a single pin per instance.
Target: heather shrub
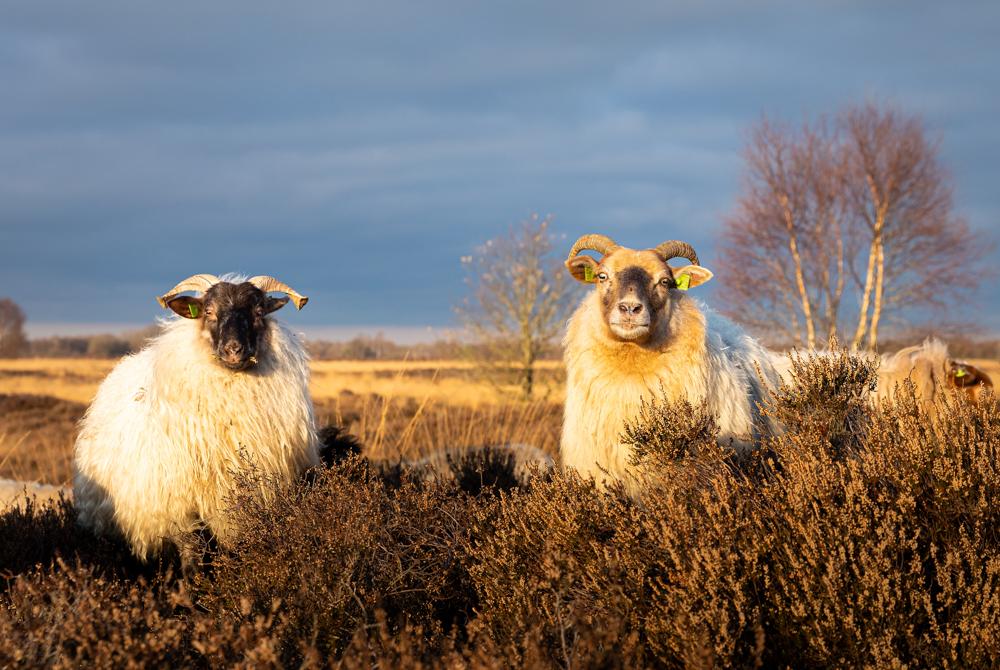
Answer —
(338, 550)
(884, 553)
(665, 432)
(37, 535)
(860, 536)
(75, 617)
(601, 581)
(824, 407)
(527, 559)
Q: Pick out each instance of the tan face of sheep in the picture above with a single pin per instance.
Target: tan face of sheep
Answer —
(637, 288)
(969, 379)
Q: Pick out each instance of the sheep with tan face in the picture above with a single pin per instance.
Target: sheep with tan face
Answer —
(639, 335)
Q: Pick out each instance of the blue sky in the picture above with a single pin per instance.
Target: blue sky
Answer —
(357, 151)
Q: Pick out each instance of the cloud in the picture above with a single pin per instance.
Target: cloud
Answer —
(360, 150)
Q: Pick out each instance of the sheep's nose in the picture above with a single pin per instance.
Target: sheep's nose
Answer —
(232, 349)
(630, 308)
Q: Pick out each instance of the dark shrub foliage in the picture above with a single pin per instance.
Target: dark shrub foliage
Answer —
(336, 552)
(665, 432)
(890, 554)
(869, 539)
(596, 579)
(825, 406)
(35, 535)
(74, 617)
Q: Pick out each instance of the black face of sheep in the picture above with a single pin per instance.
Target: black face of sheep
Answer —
(233, 315)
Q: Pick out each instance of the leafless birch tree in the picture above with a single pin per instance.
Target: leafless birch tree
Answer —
(918, 251)
(865, 205)
(784, 250)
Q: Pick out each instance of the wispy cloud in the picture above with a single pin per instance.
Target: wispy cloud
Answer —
(360, 150)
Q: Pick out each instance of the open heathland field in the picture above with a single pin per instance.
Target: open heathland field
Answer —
(860, 537)
(389, 404)
(457, 382)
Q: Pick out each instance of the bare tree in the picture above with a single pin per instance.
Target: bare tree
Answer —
(520, 297)
(901, 199)
(818, 203)
(12, 339)
(784, 249)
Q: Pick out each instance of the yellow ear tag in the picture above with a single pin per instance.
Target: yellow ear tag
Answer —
(193, 310)
(588, 273)
(960, 372)
(684, 282)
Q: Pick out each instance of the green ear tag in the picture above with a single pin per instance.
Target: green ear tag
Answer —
(684, 282)
(588, 273)
(193, 310)
(960, 372)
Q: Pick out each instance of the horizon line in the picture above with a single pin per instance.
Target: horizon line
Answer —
(321, 332)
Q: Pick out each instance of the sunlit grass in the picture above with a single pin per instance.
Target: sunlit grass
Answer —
(453, 382)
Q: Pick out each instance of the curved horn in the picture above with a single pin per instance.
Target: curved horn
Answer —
(676, 249)
(193, 283)
(268, 284)
(602, 244)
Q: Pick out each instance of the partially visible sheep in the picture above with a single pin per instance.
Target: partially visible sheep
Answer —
(928, 366)
(639, 335)
(933, 373)
(472, 469)
(221, 388)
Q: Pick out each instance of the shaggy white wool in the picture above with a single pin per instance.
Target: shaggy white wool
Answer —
(926, 366)
(699, 356)
(169, 427)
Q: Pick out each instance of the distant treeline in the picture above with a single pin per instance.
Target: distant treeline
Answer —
(378, 347)
(90, 346)
(361, 348)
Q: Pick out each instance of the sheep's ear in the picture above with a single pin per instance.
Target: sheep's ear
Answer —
(583, 268)
(690, 276)
(186, 306)
(274, 304)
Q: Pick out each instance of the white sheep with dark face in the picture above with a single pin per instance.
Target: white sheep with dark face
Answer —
(639, 335)
(222, 387)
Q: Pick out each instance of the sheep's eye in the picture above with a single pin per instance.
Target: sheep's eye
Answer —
(603, 276)
(665, 281)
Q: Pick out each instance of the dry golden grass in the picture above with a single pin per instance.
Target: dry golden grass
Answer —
(397, 408)
(73, 379)
(36, 437)
(454, 382)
